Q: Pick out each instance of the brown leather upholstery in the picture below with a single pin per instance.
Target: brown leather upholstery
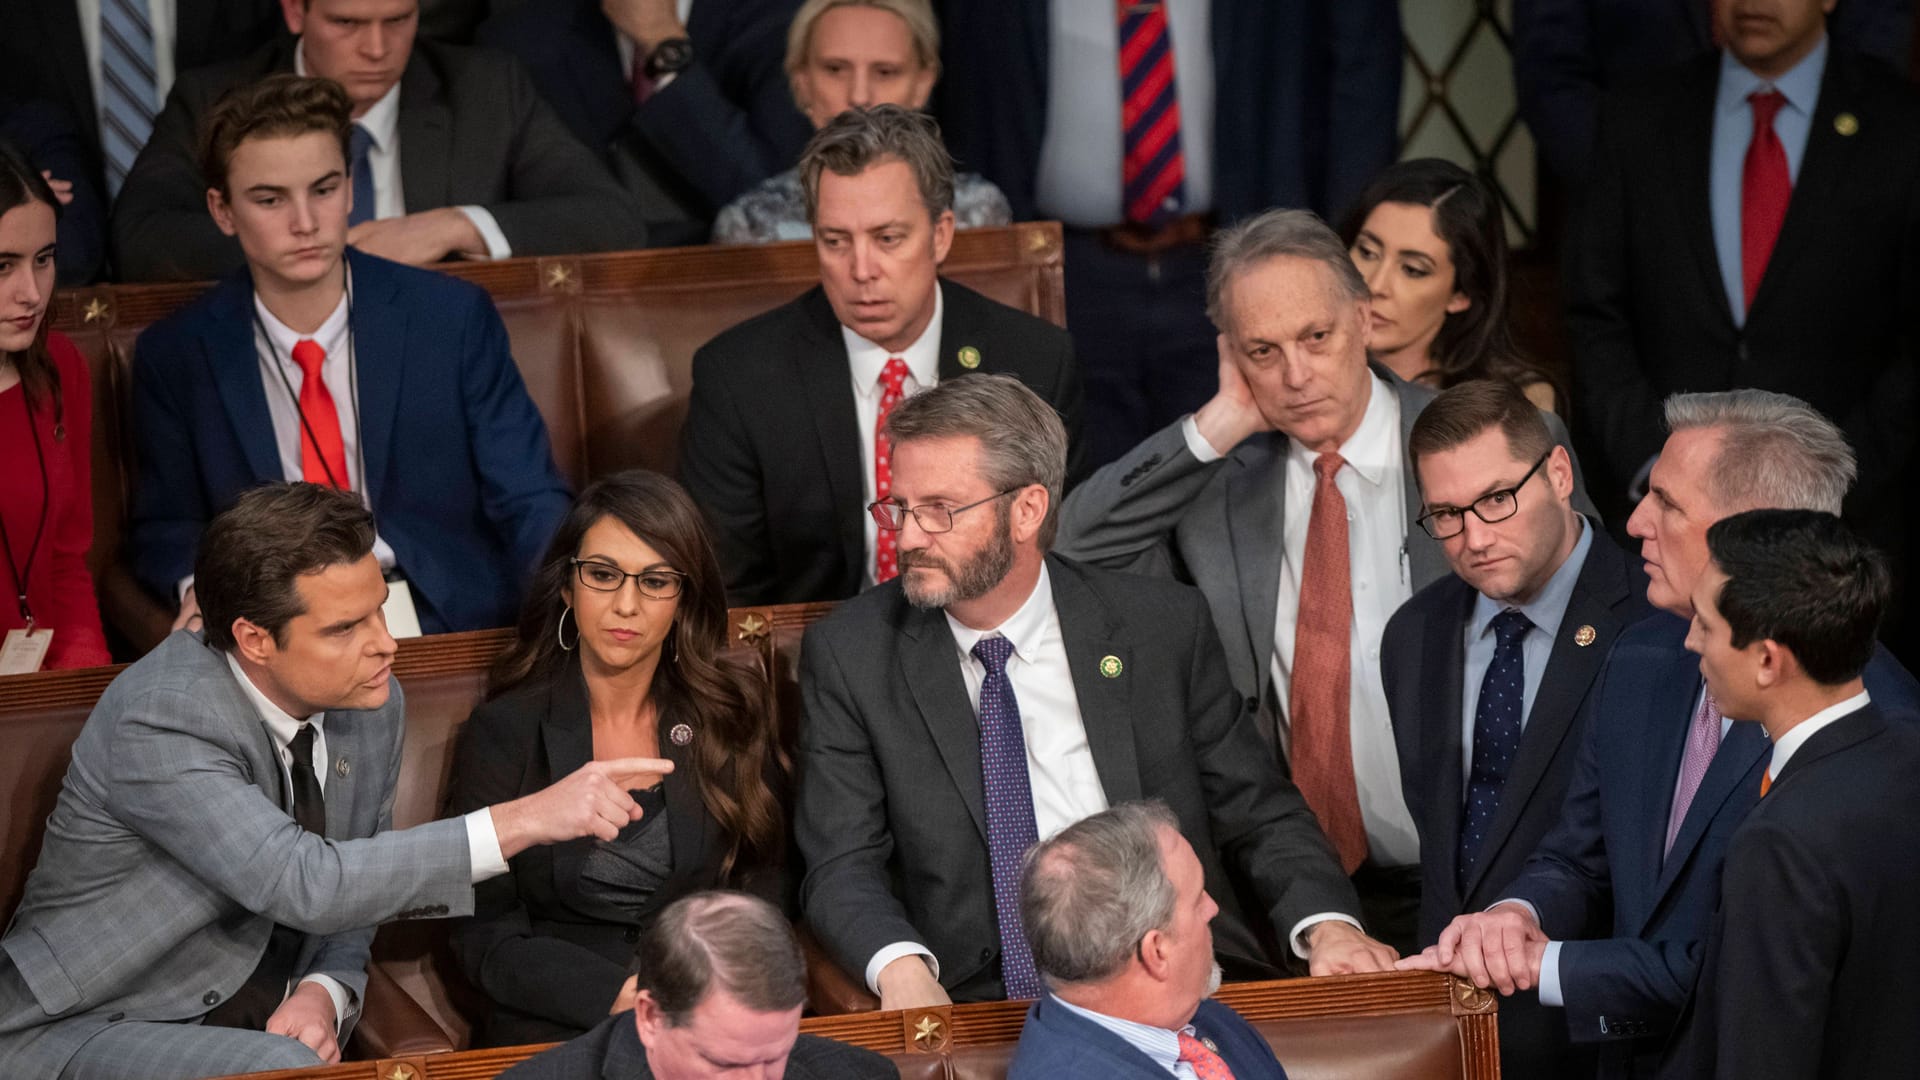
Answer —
(1408, 1025)
(604, 342)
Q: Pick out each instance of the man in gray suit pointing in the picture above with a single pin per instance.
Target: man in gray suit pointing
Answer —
(220, 852)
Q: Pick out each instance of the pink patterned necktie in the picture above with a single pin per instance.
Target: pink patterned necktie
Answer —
(886, 543)
(1207, 1065)
(1703, 740)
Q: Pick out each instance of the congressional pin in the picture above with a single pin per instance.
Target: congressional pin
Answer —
(680, 734)
(1212, 1048)
(341, 768)
(1584, 636)
(1846, 124)
(1110, 666)
(970, 356)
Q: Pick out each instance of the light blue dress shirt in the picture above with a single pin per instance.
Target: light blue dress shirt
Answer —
(1733, 132)
(1160, 1045)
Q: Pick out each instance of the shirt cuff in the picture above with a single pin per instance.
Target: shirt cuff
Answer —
(894, 952)
(1550, 977)
(662, 82)
(180, 589)
(1197, 444)
(483, 846)
(1296, 937)
(342, 1001)
(1532, 912)
(482, 218)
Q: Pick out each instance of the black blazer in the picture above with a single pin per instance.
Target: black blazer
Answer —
(1810, 966)
(891, 813)
(612, 1051)
(1831, 323)
(549, 957)
(771, 448)
(473, 132)
(1423, 662)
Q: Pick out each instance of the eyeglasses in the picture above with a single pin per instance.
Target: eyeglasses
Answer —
(933, 518)
(606, 577)
(1446, 522)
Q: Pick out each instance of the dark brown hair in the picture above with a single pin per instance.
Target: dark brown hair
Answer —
(727, 940)
(1460, 413)
(20, 184)
(859, 139)
(252, 555)
(276, 106)
(727, 703)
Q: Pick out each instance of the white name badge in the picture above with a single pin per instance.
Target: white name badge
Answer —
(402, 620)
(25, 650)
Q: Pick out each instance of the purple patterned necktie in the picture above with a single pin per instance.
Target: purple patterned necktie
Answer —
(1703, 739)
(1010, 826)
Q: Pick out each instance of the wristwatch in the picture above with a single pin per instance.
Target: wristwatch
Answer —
(669, 57)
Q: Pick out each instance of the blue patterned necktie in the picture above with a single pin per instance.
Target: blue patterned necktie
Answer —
(128, 86)
(1010, 826)
(1496, 735)
(363, 197)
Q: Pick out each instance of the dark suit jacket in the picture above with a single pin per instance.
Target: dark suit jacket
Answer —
(1307, 98)
(1810, 969)
(463, 487)
(44, 56)
(1423, 662)
(1057, 1043)
(1648, 313)
(612, 1051)
(1567, 53)
(51, 142)
(719, 128)
(891, 814)
(1626, 991)
(548, 955)
(473, 132)
(771, 446)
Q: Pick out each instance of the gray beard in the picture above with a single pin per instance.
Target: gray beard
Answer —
(972, 579)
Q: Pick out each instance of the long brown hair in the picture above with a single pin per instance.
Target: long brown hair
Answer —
(727, 704)
(20, 184)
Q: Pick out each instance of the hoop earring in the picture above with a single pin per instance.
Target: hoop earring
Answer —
(559, 631)
(673, 643)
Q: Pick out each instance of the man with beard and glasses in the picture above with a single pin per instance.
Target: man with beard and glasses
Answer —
(995, 694)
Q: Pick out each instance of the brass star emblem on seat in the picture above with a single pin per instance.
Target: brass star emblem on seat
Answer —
(558, 276)
(753, 629)
(927, 1032)
(97, 309)
(401, 1071)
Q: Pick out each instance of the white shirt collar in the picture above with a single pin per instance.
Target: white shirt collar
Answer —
(1806, 729)
(283, 725)
(1373, 449)
(382, 121)
(866, 360)
(329, 336)
(1023, 629)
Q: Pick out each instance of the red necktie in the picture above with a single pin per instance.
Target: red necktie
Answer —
(323, 457)
(886, 543)
(1152, 169)
(1319, 693)
(1207, 1065)
(1765, 187)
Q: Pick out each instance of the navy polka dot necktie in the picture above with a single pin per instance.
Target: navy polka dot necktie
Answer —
(1010, 825)
(1496, 735)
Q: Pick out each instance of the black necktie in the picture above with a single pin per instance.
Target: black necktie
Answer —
(252, 1004)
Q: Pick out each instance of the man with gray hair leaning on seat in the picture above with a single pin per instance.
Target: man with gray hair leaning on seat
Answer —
(1116, 911)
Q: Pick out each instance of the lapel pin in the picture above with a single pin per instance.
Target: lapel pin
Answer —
(1212, 1047)
(969, 357)
(1846, 124)
(1110, 666)
(1584, 636)
(680, 734)
(341, 768)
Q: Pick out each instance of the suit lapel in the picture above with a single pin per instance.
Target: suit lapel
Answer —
(1737, 762)
(348, 751)
(1442, 720)
(821, 363)
(1691, 149)
(691, 831)
(379, 358)
(566, 734)
(1830, 160)
(426, 138)
(1106, 702)
(1670, 705)
(228, 340)
(1256, 526)
(930, 669)
(1856, 727)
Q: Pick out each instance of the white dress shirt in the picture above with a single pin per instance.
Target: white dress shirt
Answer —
(865, 362)
(1796, 737)
(161, 17)
(382, 121)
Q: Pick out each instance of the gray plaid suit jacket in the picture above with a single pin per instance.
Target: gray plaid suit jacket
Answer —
(168, 859)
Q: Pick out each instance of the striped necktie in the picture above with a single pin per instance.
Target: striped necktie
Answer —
(1153, 171)
(128, 89)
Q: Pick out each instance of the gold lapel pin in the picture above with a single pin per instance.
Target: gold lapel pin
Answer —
(1110, 666)
(969, 357)
(1846, 124)
(341, 768)
(1212, 1047)
(1585, 636)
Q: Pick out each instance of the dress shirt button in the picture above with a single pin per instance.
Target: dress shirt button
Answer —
(632, 935)
(116, 1018)
(986, 955)
(210, 998)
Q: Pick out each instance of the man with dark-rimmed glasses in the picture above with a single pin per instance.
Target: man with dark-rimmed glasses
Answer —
(995, 694)
(1488, 670)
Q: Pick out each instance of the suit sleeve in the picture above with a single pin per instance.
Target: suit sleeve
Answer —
(560, 198)
(840, 821)
(161, 228)
(1363, 124)
(1260, 820)
(1068, 398)
(1400, 658)
(1123, 516)
(1556, 74)
(721, 470)
(1783, 937)
(169, 507)
(1567, 878)
(497, 947)
(81, 642)
(520, 487)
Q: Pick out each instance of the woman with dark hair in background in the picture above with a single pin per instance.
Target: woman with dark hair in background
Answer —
(618, 655)
(1429, 238)
(46, 442)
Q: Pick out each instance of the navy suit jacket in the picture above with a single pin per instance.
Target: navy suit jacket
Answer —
(1627, 991)
(458, 471)
(1306, 110)
(50, 141)
(1057, 1042)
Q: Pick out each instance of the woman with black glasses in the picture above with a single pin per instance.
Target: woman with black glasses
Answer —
(618, 654)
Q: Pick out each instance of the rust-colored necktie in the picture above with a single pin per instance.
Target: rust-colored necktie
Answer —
(1206, 1062)
(1319, 694)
